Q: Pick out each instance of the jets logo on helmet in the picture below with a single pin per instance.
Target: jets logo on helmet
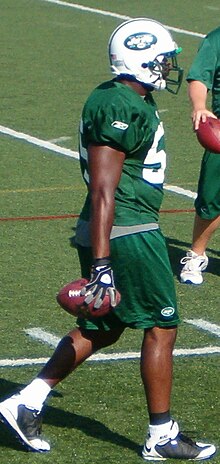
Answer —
(144, 50)
(140, 41)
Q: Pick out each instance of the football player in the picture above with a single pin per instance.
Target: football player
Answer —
(120, 244)
(204, 76)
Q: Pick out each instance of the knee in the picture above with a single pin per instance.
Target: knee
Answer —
(162, 337)
(113, 336)
(110, 337)
(101, 338)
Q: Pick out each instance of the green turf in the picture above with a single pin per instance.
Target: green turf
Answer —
(51, 57)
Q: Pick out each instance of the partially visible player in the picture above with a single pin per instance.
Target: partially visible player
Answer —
(120, 243)
(204, 77)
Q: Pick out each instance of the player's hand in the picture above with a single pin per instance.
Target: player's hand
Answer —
(201, 115)
(100, 284)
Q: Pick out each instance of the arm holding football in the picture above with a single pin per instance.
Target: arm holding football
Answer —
(197, 92)
(105, 167)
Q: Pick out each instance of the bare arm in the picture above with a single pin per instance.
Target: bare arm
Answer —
(105, 167)
(197, 92)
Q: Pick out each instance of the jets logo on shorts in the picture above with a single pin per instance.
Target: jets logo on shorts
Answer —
(140, 41)
(168, 311)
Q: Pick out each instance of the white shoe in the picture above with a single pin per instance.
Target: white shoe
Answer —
(175, 445)
(24, 422)
(194, 265)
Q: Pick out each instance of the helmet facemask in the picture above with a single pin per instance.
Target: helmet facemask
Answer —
(168, 74)
(175, 77)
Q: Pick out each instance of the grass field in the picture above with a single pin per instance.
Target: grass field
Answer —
(52, 55)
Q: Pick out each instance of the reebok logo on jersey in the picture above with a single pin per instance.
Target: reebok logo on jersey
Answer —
(119, 125)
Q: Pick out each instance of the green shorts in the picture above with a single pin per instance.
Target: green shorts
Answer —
(207, 203)
(144, 278)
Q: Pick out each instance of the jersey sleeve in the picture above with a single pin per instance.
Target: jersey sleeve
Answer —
(118, 125)
(204, 65)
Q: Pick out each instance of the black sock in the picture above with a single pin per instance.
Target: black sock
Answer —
(158, 418)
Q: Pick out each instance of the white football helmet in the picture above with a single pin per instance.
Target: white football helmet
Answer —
(144, 50)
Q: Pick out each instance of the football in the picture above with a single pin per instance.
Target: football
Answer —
(208, 134)
(69, 298)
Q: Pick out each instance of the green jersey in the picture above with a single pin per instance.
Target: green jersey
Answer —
(117, 116)
(206, 67)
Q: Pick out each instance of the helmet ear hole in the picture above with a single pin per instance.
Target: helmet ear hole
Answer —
(137, 48)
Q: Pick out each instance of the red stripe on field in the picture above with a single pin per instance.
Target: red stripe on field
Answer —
(177, 210)
(39, 218)
(68, 216)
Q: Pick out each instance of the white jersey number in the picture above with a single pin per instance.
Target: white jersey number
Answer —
(155, 160)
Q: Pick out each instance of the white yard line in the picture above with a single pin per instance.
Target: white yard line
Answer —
(180, 191)
(213, 329)
(52, 340)
(39, 334)
(39, 142)
(22, 362)
(74, 154)
(60, 139)
(209, 350)
(115, 15)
